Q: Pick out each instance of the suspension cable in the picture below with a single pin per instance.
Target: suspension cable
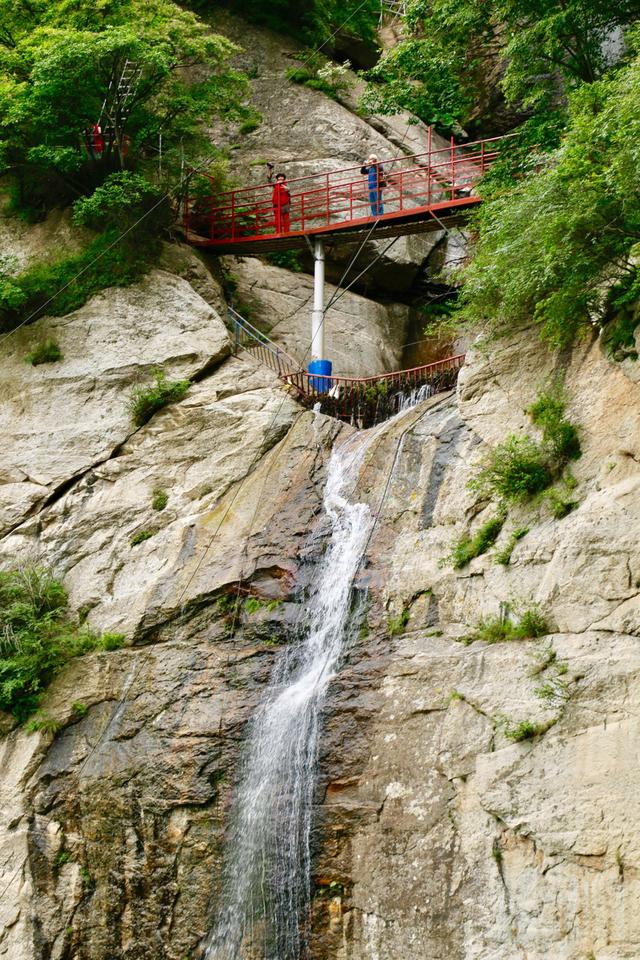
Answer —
(362, 272)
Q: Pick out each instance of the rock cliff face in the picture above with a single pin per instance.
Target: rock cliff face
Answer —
(441, 837)
(462, 843)
(434, 834)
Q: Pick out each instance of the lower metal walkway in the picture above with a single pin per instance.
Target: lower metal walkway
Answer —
(361, 401)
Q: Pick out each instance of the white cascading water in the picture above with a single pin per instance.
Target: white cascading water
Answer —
(267, 875)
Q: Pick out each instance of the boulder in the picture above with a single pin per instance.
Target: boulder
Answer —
(363, 337)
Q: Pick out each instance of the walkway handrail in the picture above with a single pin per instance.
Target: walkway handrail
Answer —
(359, 400)
(247, 336)
(334, 200)
(415, 157)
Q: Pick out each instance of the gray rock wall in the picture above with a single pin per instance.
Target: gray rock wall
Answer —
(443, 838)
(463, 844)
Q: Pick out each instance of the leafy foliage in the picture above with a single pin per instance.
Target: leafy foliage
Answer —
(520, 467)
(320, 74)
(103, 263)
(503, 556)
(524, 730)
(159, 499)
(56, 62)
(141, 536)
(312, 21)
(121, 201)
(560, 498)
(287, 259)
(37, 638)
(420, 75)
(560, 435)
(513, 471)
(47, 351)
(550, 244)
(539, 48)
(529, 625)
(145, 401)
(467, 548)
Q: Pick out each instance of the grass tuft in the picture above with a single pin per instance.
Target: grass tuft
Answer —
(159, 499)
(141, 536)
(396, 625)
(47, 351)
(503, 556)
(467, 548)
(145, 401)
(502, 629)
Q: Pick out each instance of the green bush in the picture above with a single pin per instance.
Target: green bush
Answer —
(529, 625)
(141, 536)
(561, 436)
(466, 548)
(253, 123)
(145, 401)
(309, 78)
(159, 499)
(63, 286)
(287, 259)
(504, 556)
(513, 471)
(525, 730)
(560, 505)
(37, 638)
(110, 641)
(318, 74)
(47, 351)
(123, 199)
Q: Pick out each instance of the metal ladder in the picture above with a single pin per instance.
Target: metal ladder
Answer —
(396, 9)
(127, 86)
(119, 94)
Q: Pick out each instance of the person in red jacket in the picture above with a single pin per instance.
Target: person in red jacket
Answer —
(281, 199)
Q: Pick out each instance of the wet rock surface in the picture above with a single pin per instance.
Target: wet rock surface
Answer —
(434, 834)
(456, 841)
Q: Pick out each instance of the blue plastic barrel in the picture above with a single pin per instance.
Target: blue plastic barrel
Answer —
(321, 382)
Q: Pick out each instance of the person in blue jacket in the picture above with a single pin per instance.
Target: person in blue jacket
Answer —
(375, 177)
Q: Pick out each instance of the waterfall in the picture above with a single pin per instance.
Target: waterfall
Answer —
(267, 872)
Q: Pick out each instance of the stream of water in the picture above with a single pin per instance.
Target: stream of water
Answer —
(267, 873)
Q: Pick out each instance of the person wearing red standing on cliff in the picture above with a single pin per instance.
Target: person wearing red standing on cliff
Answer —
(281, 199)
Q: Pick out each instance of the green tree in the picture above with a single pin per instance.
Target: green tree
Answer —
(560, 245)
(454, 48)
(314, 21)
(60, 61)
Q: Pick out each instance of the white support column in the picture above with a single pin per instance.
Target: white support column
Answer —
(317, 316)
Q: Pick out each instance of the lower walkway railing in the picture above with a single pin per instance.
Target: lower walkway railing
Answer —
(361, 401)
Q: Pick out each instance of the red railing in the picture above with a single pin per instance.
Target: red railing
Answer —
(365, 401)
(362, 401)
(435, 179)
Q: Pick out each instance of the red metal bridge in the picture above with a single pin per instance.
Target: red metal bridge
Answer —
(421, 192)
